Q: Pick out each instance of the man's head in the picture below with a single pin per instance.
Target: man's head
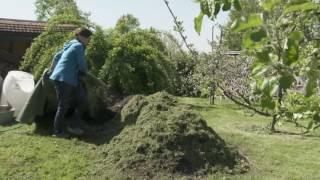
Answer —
(83, 35)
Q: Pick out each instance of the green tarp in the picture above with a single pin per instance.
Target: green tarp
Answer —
(43, 99)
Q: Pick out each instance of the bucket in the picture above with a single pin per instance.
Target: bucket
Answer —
(17, 88)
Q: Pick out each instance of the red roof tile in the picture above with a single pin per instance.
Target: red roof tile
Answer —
(28, 26)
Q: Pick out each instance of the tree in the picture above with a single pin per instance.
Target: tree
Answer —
(127, 23)
(39, 56)
(233, 40)
(48, 8)
(183, 65)
(172, 45)
(274, 38)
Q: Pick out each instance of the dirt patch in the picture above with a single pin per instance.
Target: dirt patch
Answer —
(159, 137)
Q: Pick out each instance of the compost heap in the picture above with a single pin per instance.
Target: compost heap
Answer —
(160, 137)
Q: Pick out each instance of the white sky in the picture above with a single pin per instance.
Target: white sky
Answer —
(151, 13)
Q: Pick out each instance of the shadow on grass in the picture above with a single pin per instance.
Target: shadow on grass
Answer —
(12, 125)
(102, 133)
(8, 124)
(254, 129)
(266, 130)
(96, 131)
(301, 134)
(199, 107)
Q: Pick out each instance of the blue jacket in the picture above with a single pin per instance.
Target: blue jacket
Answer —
(69, 62)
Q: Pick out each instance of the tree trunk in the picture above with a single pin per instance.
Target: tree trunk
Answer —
(212, 98)
(273, 123)
(274, 117)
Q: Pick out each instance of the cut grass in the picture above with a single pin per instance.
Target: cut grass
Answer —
(24, 155)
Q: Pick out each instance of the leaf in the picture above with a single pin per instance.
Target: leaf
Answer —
(253, 40)
(313, 74)
(260, 69)
(247, 42)
(217, 7)
(257, 36)
(267, 102)
(204, 6)
(254, 20)
(198, 22)
(273, 86)
(296, 35)
(301, 7)
(292, 47)
(263, 56)
(268, 5)
(311, 84)
(286, 81)
(270, 86)
(316, 117)
(310, 124)
(274, 89)
(226, 5)
(236, 5)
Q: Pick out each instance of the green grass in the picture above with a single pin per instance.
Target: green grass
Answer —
(271, 156)
(25, 155)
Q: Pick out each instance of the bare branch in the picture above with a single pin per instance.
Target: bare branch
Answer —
(180, 30)
(231, 97)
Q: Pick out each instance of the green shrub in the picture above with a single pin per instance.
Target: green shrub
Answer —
(136, 64)
(39, 56)
(97, 51)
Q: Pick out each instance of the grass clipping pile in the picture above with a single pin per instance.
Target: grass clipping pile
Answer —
(160, 137)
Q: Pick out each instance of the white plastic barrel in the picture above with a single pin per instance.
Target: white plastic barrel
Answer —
(17, 88)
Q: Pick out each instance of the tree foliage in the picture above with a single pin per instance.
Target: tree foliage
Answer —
(127, 23)
(275, 38)
(49, 8)
(97, 50)
(232, 40)
(39, 56)
(131, 60)
(184, 65)
(136, 64)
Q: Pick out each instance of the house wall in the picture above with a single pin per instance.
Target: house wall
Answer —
(12, 49)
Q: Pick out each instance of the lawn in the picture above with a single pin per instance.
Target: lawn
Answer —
(25, 155)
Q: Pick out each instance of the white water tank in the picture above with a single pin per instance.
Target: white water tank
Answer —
(17, 88)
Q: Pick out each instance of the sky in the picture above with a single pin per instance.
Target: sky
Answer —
(151, 13)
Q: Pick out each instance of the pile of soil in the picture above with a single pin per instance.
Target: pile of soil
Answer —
(159, 137)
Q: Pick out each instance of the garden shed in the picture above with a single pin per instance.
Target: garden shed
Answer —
(15, 37)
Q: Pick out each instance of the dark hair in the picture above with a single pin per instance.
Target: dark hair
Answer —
(82, 31)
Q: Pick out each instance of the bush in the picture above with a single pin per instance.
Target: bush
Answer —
(39, 56)
(97, 51)
(136, 64)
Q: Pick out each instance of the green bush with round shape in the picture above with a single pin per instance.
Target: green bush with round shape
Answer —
(39, 56)
(136, 64)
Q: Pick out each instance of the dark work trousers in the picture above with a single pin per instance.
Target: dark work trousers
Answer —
(69, 95)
